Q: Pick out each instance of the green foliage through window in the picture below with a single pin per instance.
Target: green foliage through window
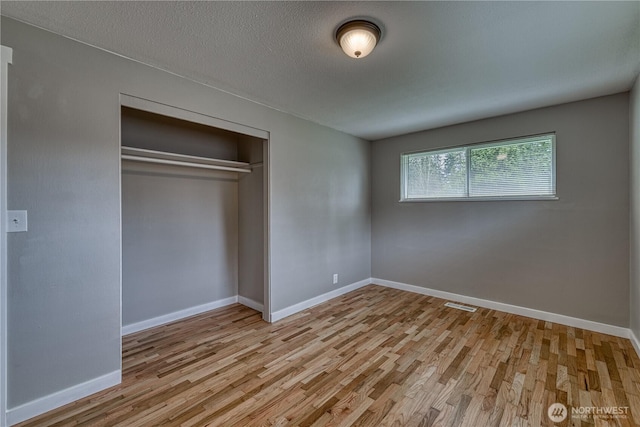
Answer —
(522, 167)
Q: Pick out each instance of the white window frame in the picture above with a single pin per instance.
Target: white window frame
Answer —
(518, 140)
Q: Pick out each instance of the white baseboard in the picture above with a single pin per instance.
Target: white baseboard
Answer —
(177, 315)
(248, 302)
(62, 397)
(617, 331)
(634, 340)
(293, 309)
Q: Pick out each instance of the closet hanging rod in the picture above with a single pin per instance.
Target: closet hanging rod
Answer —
(179, 163)
(181, 157)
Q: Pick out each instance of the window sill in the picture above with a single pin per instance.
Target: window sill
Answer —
(481, 199)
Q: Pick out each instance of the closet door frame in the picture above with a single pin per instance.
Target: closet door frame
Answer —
(138, 103)
(6, 56)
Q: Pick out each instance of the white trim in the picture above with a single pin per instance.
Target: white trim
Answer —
(266, 225)
(293, 309)
(177, 315)
(590, 325)
(479, 199)
(62, 397)
(6, 57)
(120, 246)
(248, 302)
(634, 340)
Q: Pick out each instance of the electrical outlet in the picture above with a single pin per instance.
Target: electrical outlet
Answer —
(335, 279)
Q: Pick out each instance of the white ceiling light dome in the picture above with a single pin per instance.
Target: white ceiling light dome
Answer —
(358, 38)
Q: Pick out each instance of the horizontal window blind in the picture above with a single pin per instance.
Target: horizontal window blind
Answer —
(522, 167)
(437, 174)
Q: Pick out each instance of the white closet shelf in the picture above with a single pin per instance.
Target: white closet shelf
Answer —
(165, 158)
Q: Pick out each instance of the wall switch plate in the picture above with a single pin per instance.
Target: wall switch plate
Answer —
(335, 279)
(16, 221)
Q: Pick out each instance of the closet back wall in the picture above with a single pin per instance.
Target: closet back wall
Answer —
(179, 225)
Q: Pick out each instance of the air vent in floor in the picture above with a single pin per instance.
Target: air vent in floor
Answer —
(460, 307)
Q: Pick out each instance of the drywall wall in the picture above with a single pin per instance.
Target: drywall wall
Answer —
(141, 129)
(251, 221)
(569, 256)
(64, 168)
(179, 239)
(634, 257)
(179, 225)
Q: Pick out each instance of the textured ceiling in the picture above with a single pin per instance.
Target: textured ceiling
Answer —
(438, 63)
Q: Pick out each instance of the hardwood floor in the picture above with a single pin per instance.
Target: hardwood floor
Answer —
(373, 357)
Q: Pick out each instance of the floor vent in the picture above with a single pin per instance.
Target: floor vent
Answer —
(460, 307)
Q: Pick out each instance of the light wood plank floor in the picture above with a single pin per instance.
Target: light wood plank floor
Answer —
(373, 357)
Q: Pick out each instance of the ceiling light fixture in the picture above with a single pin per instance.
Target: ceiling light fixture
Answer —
(358, 38)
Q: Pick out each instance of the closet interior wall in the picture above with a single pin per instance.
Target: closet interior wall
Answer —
(251, 223)
(182, 227)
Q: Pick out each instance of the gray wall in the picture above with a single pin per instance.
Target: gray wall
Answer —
(634, 141)
(323, 216)
(251, 221)
(64, 274)
(179, 239)
(569, 256)
(179, 225)
(141, 129)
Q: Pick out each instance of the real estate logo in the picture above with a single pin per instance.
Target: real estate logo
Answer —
(557, 412)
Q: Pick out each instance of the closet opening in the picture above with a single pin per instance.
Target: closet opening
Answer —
(194, 208)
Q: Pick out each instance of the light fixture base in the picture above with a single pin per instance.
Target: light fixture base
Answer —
(358, 38)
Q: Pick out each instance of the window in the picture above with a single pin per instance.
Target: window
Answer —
(522, 168)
